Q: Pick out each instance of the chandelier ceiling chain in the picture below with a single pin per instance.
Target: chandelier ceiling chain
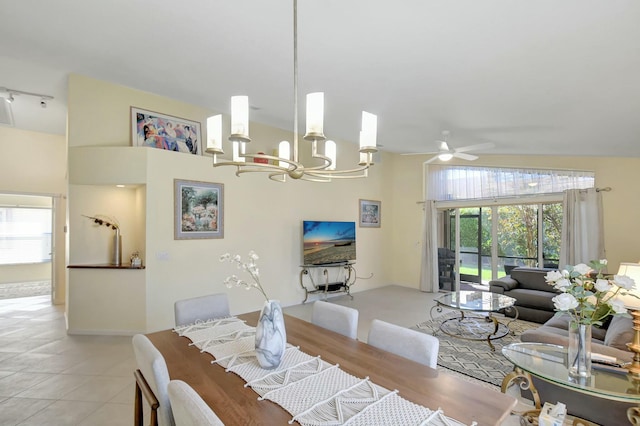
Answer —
(287, 163)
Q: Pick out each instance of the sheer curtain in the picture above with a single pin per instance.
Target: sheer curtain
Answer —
(429, 260)
(582, 229)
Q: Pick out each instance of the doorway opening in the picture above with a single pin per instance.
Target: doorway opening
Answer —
(26, 246)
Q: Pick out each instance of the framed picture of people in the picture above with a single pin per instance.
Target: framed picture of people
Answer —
(198, 209)
(370, 211)
(163, 131)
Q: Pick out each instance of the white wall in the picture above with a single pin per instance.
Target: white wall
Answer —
(36, 163)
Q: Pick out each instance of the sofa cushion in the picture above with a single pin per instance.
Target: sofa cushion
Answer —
(532, 298)
(619, 333)
(533, 278)
(562, 322)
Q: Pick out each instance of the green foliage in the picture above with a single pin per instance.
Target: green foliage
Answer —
(517, 230)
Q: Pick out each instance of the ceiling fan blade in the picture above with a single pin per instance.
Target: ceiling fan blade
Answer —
(464, 156)
(477, 147)
(432, 159)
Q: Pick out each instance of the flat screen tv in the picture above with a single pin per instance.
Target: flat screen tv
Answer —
(325, 242)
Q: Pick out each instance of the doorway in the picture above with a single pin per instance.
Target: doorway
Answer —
(26, 246)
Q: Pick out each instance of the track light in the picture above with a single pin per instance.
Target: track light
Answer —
(13, 92)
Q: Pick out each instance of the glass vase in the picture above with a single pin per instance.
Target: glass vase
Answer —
(271, 336)
(579, 352)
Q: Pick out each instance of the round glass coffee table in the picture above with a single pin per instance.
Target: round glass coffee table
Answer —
(475, 319)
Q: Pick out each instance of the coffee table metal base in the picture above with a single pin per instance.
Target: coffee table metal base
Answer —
(475, 327)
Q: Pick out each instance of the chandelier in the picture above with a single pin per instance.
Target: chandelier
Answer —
(287, 162)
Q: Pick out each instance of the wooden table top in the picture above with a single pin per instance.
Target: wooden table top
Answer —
(238, 405)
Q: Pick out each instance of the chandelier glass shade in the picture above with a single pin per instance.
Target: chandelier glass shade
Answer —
(287, 162)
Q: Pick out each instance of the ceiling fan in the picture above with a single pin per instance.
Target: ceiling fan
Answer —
(445, 153)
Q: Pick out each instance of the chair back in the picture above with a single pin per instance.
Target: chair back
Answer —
(154, 369)
(338, 318)
(189, 409)
(407, 343)
(188, 311)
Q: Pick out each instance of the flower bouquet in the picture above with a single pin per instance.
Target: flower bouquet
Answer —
(588, 297)
(271, 335)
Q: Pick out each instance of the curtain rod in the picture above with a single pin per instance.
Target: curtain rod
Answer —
(605, 189)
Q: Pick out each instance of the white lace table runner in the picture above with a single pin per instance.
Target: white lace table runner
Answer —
(313, 391)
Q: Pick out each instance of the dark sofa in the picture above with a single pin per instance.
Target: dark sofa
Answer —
(532, 293)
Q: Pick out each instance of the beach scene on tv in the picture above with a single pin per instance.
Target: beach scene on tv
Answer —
(328, 242)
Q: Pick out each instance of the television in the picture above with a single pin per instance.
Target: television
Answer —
(325, 242)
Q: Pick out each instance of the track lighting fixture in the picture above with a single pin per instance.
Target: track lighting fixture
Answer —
(13, 92)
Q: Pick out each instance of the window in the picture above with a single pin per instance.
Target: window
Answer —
(446, 183)
(502, 217)
(25, 235)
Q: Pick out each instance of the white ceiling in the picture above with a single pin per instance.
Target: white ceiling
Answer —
(534, 77)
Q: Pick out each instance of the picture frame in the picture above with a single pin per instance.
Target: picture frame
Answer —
(198, 209)
(370, 214)
(156, 130)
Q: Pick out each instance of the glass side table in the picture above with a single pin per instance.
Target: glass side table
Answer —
(475, 327)
(548, 362)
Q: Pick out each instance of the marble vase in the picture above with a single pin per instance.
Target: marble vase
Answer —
(271, 336)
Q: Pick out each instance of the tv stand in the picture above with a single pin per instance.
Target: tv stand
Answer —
(345, 278)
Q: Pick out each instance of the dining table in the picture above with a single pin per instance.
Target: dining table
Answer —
(236, 404)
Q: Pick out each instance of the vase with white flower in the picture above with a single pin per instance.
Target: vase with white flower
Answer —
(271, 335)
(589, 298)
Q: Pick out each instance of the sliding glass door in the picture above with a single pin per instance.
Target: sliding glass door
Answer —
(493, 240)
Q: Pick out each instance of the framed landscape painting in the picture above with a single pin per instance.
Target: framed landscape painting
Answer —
(162, 131)
(370, 214)
(198, 209)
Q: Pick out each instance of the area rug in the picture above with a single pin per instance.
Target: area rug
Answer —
(475, 358)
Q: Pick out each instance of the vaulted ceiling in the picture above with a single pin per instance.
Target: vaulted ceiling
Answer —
(533, 77)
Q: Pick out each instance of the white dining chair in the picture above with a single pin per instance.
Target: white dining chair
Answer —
(338, 318)
(407, 343)
(152, 377)
(188, 311)
(189, 409)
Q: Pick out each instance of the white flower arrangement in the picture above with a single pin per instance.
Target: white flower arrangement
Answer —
(249, 267)
(587, 296)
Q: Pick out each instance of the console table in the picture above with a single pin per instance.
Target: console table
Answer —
(345, 278)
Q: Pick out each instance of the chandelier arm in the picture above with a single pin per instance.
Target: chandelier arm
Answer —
(341, 174)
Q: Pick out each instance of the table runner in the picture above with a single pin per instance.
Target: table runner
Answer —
(313, 391)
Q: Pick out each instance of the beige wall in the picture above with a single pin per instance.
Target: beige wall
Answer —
(621, 204)
(36, 163)
(260, 214)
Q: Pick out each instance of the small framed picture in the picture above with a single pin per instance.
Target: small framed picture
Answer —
(198, 209)
(162, 131)
(370, 213)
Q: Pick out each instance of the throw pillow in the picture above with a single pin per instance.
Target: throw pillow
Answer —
(619, 333)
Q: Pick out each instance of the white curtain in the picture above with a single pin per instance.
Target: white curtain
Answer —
(429, 261)
(448, 183)
(582, 229)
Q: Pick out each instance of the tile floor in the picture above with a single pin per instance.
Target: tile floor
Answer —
(50, 378)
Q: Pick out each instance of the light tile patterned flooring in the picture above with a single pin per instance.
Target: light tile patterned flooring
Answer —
(50, 378)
